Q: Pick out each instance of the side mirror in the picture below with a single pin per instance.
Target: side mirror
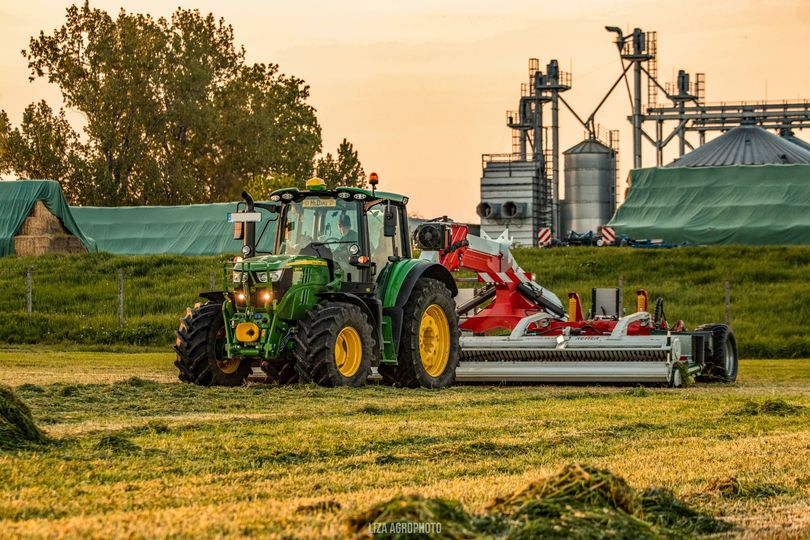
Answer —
(390, 223)
(238, 230)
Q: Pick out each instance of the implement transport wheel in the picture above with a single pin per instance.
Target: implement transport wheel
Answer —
(721, 365)
(280, 371)
(428, 347)
(334, 346)
(200, 348)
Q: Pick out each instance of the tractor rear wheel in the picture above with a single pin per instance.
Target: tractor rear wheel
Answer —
(429, 344)
(722, 363)
(334, 346)
(200, 348)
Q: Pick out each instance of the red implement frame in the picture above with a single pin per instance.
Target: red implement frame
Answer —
(511, 304)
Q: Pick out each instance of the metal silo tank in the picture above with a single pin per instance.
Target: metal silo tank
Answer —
(590, 187)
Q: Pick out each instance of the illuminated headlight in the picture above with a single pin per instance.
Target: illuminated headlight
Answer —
(360, 196)
(240, 297)
(344, 194)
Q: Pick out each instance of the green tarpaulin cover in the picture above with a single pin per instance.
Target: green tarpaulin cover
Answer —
(746, 204)
(17, 199)
(196, 229)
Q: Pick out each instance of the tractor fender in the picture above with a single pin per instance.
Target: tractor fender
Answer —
(425, 270)
(401, 280)
(371, 307)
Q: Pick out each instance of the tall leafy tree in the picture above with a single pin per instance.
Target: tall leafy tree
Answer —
(45, 146)
(173, 112)
(343, 170)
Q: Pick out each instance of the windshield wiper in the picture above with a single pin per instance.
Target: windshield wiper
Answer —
(335, 242)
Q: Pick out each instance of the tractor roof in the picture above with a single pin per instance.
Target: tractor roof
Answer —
(393, 197)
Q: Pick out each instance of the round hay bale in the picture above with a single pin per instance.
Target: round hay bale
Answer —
(17, 427)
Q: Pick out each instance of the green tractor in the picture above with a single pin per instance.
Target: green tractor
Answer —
(339, 295)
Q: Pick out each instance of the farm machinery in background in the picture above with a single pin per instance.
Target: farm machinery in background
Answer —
(341, 300)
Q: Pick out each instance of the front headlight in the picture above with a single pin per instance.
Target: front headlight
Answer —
(236, 276)
(273, 276)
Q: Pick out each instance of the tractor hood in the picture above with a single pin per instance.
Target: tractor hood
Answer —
(278, 262)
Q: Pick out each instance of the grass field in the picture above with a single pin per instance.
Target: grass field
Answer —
(138, 454)
(74, 300)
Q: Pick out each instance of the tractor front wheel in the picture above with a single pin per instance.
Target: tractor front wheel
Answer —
(200, 348)
(334, 346)
(429, 345)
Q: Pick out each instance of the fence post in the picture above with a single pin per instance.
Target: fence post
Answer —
(213, 281)
(728, 302)
(29, 291)
(621, 296)
(120, 297)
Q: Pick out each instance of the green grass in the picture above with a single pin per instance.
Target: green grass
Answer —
(134, 453)
(75, 296)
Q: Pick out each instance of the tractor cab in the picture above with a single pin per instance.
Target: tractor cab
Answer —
(356, 231)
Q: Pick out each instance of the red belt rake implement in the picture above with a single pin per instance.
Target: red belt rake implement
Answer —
(539, 340)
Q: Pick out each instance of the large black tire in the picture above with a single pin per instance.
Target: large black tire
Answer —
(439, 369)
(722, 364)
(334, 346)
(200, 348)
(281, 371)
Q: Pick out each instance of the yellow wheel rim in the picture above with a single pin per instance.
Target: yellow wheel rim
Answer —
(228, 365)
(348, 351)
(225, 365)
(434, 340)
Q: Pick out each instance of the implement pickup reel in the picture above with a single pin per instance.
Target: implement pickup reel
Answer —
(537, 341)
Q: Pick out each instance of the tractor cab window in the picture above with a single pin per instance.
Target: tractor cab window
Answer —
(382, 246)
(323, 227)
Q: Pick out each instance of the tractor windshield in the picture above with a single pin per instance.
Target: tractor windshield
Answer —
(321, 226)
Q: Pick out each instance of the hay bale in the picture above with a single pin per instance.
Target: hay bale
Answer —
(17, 427)
(30, 246)
(41, 221)
(42, 232)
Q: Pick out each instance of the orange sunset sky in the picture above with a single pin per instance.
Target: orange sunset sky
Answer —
(421, 87)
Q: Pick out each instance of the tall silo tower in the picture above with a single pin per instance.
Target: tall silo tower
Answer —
(590, 187)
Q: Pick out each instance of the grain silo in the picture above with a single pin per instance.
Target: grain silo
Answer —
(590, 187)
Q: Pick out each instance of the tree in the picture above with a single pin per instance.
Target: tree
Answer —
(260, 187)
(173, 113)
(45, 146)
(346, 170)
